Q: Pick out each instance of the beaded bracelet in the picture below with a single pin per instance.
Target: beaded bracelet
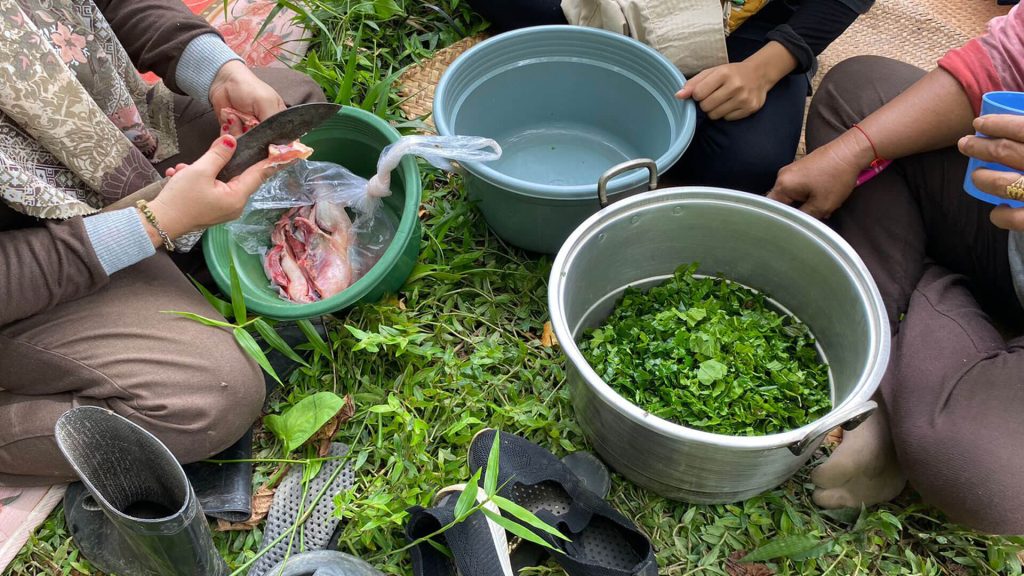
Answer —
(143, 207)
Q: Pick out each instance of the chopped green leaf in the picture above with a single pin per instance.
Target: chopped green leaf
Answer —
(710, 354)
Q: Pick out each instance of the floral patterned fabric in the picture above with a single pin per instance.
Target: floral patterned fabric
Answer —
(78, 126)
(283, 42)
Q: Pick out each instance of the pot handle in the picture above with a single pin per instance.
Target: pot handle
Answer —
(848, 419)
(602, 182)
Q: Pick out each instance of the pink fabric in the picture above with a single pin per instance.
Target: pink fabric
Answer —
(283, 42)
(22, 510)
(992, 61)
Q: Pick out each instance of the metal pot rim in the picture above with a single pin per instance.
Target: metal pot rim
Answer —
(878, 323)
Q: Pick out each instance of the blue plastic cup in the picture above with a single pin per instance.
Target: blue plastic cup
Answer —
(995, 103)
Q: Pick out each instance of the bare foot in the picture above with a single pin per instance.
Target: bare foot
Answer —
(863, 470)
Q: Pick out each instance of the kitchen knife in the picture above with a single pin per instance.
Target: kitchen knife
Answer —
(282, 128)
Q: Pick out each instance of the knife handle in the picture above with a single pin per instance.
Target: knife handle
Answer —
(147, 193)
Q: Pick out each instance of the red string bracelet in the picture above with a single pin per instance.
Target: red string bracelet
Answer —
(878, 162)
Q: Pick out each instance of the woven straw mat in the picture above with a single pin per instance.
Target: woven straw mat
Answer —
(417, 84)
(918, 32)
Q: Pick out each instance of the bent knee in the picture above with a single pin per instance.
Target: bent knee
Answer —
(851, 75)
(207, 402)
(963, 468)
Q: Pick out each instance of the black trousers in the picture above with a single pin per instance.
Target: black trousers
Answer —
(745, 154)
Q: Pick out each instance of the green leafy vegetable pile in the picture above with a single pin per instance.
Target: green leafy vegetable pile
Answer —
(710, 354)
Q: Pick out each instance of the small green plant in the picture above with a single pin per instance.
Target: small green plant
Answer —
(710, 354)
(469, 504)
(243, 323)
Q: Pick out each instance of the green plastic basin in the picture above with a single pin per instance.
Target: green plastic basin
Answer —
(353, 139)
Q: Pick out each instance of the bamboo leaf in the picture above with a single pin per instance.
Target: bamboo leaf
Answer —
(491, 479)
(200, 319)
(785, 547)
(248, 343)
(314, 337)
(237, 299)
(467, 500)
(266, 22)
(516, 529)
(221, 306)
(271, 337)
(526, 516)
(345, 88)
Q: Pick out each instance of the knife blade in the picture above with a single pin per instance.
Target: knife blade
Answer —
(282, 128)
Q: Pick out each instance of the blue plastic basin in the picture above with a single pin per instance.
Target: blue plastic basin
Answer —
(566, 104)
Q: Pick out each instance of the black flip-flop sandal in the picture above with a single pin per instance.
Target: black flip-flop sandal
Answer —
(594, 476)
(478, 546)
(603, 542)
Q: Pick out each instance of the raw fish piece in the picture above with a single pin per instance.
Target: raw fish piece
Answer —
(326, 260)
(247, 121)
(298, 287)
(272, 267)
(284, 153)
(334, 220)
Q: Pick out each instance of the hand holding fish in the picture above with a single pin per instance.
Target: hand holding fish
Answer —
(238, 90)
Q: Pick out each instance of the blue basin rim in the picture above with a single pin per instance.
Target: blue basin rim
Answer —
(629, 181)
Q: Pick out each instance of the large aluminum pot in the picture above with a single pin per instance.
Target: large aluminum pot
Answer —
(803, 265)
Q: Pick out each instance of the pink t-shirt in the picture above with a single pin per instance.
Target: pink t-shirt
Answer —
(992, 61)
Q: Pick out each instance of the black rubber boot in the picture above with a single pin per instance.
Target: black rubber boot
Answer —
(225, 490)
(134, 513)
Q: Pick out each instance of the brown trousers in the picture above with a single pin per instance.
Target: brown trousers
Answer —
(954, 391)
(189, 384)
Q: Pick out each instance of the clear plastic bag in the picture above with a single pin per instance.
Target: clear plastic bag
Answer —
(439, 151)
(318, 192)
(343, 205)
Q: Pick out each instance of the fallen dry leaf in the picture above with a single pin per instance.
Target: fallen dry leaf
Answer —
(422, 212)
(261, 502)
(548, 339)
(326, 433)
(734, 567)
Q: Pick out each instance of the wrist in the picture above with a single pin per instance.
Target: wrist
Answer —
(168, 220)
(201, 62)
(853, 150)
(771, 63)
(151, 231)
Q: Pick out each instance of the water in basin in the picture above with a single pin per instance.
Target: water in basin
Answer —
(561, 154)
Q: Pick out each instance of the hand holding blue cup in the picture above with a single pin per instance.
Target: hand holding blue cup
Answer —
(999, 149)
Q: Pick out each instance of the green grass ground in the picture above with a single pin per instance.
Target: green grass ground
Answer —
(459, 349)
